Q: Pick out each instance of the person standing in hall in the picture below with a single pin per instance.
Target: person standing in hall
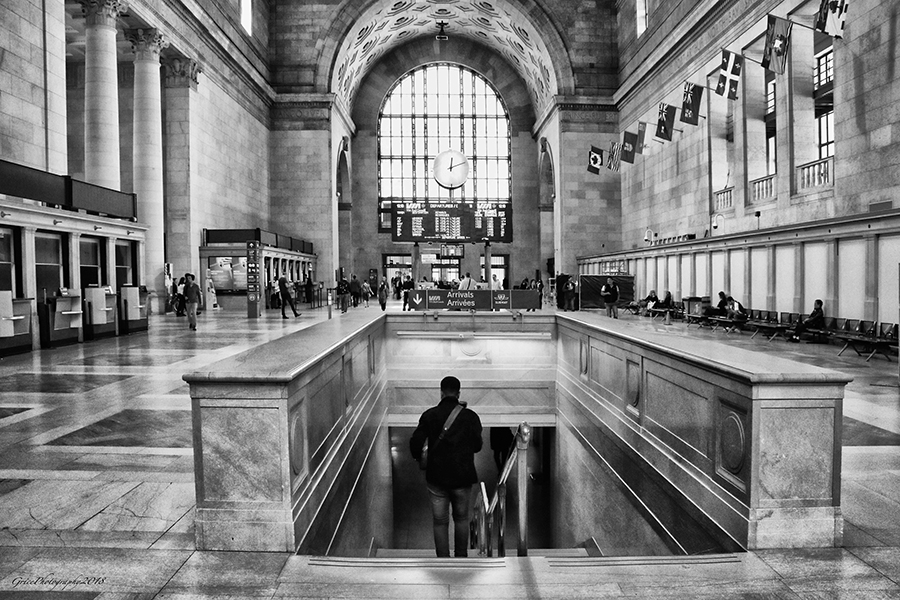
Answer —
(366, 291)
(450, 473)
(610, 294)
(408, 286)
(355, 290)
(382, 295)
(193, 299)
(286, 297)
(343, 293)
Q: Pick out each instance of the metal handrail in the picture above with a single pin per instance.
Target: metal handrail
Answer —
(482, 522)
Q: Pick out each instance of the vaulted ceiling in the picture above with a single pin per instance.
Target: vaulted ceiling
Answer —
(519, 31)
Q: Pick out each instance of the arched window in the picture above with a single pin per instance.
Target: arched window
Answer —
(434, 108)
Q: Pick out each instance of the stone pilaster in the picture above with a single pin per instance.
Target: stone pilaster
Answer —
(147, 151)
(101, 100)
(181, 237)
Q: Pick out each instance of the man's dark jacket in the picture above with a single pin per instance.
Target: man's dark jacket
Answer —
(451, 464)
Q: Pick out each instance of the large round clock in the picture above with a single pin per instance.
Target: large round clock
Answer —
(451, 169)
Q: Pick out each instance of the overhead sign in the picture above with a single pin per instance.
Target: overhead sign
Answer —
(447, 221)
(474, 299)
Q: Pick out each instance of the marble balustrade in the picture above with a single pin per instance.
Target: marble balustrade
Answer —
(746, 446)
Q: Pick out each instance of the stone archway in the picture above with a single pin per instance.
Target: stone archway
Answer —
(547, 207)
(344, 198)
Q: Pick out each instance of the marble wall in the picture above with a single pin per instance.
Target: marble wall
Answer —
(748, 446)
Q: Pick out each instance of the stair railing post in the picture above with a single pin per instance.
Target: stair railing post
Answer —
(501, 522)
(523, 436)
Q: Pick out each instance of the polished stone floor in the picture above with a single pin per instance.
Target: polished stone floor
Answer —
(96, 491)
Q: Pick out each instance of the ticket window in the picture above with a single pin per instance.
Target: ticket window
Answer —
(91, 262)
(125, 255)
(49, 263)
(9, 249)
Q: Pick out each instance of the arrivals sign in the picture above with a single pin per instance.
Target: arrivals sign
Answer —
(474, 299)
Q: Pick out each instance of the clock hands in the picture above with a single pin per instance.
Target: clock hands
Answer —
(450, 168)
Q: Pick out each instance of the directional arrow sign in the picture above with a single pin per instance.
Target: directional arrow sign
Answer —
(417, 300)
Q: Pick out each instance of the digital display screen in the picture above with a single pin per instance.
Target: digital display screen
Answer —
(444, 221)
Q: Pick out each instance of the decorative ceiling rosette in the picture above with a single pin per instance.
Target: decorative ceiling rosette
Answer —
(486, 7)
(403, 21)
(400, 7)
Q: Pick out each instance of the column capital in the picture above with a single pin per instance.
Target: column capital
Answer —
(102, 12)
(181, 72)
(146, 43)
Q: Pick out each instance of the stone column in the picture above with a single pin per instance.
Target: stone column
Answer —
(101, 89)
(147, 151)
(29, 281)
(74, 282)
(799, 276)
(797, 145)
(55, 125)
(181, 237)
(771, 275)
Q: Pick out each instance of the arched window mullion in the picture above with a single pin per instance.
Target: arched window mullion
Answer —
(419, 102)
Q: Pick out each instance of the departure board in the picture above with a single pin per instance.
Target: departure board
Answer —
(446, 221)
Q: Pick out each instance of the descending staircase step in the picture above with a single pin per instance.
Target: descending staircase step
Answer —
(407, 561)
(630, 561)
(555, 552)
(510, 552)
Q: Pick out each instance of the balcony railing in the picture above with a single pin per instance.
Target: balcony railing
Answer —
(762, 189)
(725, 199)
(815, 174)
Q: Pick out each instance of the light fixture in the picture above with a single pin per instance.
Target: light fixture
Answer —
(97, 228)
(128, 232)
(648, 235)
(715, 220)
(441, 35)
(56, 221)
(4, 214)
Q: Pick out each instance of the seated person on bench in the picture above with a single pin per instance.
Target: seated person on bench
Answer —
(815, 320)
(734, 310)
(720, 309)
(649, 302)
(667, 302)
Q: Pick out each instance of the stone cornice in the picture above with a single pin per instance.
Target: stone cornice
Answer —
(576, 104)
(694, 46)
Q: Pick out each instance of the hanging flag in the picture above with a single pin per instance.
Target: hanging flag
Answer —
(730, 74)
(832, 16)
(641, 134)
(595, 160)
(778, 41)
(615, 153)
(629, 147)
(665, 122)
(690, 104)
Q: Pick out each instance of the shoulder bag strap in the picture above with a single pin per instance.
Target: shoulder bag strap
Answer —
(453, 414)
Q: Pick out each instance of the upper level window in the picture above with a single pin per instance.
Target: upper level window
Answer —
(641, 15)
(247, 15)
(435, 108)
(824, 69)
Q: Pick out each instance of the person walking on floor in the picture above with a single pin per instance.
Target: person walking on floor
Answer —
(286, 297)
(453, 435)
(366, 292)
(193, 299)
(610, 294)
(382, 295)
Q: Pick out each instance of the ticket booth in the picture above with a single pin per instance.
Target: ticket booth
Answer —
(243, 266)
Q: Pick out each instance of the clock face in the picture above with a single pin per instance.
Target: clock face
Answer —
(451, 169)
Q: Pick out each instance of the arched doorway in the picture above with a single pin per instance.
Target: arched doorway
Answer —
(344, 198)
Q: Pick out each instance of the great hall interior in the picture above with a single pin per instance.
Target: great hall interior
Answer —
(682, 146)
